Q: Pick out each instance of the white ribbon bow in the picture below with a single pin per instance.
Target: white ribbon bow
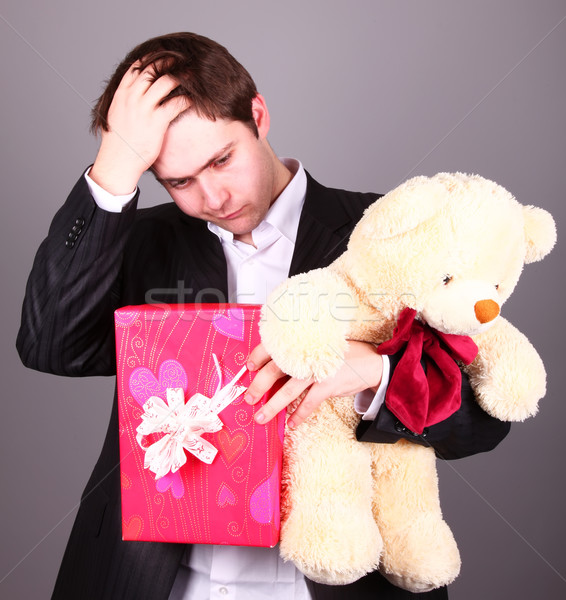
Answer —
(183, 425)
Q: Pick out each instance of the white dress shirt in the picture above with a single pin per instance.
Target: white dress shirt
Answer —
(240, 572)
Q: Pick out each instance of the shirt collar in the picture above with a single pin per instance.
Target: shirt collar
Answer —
(284, 214)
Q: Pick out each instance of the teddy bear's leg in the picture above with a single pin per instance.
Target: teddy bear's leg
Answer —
(328, 529)
(419, 552)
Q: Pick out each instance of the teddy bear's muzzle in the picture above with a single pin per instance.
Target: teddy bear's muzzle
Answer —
(486, 310)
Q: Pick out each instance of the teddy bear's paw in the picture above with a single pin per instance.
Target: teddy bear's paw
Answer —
(507, 409)
(407, 583)
(342, 566)
(515, 400)
(421, 557)
(508, 375)
(334, 555)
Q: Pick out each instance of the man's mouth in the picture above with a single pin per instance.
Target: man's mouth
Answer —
(232, 215)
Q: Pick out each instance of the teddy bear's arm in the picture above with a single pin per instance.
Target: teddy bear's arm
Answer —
(306, 323)
(508, 376)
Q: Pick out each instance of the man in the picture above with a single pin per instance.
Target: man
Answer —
(242, 220)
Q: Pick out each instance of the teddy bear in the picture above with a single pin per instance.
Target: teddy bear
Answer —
(438, 253)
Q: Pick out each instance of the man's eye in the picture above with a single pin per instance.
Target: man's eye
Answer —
(221, 161)
(180, 183)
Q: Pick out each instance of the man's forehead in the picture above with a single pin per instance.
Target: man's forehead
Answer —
(191, 111)
(192, 142)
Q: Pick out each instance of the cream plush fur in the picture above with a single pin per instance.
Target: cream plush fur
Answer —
(452, 247)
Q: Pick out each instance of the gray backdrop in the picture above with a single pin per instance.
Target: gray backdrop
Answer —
(366, 93)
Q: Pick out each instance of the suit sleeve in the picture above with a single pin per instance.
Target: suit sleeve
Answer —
(470, 430)
(73, 289)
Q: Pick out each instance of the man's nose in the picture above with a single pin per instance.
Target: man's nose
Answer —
(214, 192)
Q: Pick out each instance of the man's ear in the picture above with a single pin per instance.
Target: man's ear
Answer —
(261, 116)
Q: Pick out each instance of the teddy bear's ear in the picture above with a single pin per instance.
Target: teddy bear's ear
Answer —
(540, 233)
(405, 207)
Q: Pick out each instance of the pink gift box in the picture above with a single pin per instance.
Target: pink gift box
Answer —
(235, 499)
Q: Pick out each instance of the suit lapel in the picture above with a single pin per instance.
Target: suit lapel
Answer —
(317, 246)
(324, 228)
(210, 270)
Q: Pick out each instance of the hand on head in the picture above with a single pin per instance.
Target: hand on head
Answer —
(137, 122)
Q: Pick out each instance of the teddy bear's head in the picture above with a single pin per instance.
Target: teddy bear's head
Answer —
(451, 246)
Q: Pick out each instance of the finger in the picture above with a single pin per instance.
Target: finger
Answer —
(287, 394)
(135, 83)
(158, 89)
(131, 74)
(263, 381)
(312, 400)
(143, 81)
(258, 358)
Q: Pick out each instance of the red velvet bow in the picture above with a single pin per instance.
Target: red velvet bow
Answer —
(420, 399)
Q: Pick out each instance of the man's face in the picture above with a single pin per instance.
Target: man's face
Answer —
(219, 171)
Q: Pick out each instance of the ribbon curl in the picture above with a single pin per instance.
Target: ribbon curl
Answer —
(183, 425)
(418, 398)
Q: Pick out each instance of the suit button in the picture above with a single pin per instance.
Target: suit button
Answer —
(72, 236)
(76, 229)
(69, 243)
(400, 427)
(80, 222)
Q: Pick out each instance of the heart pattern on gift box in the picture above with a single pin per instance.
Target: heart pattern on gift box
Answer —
(131, 530)
(225, 496)
(263, 507)
(144, 384)
(125, 481)
(173, 482)
(231, 446)
(230, 323)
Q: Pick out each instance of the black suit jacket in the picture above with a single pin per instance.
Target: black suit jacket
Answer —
(93, 262)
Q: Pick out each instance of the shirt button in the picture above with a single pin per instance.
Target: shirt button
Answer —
(400, 427)
(223, 591)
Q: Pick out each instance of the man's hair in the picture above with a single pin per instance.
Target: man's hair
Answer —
(217, 85)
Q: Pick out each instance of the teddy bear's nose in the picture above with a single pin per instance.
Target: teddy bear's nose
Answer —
(486, 310)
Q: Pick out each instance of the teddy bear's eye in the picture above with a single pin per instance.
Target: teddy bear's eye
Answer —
(447, 279)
